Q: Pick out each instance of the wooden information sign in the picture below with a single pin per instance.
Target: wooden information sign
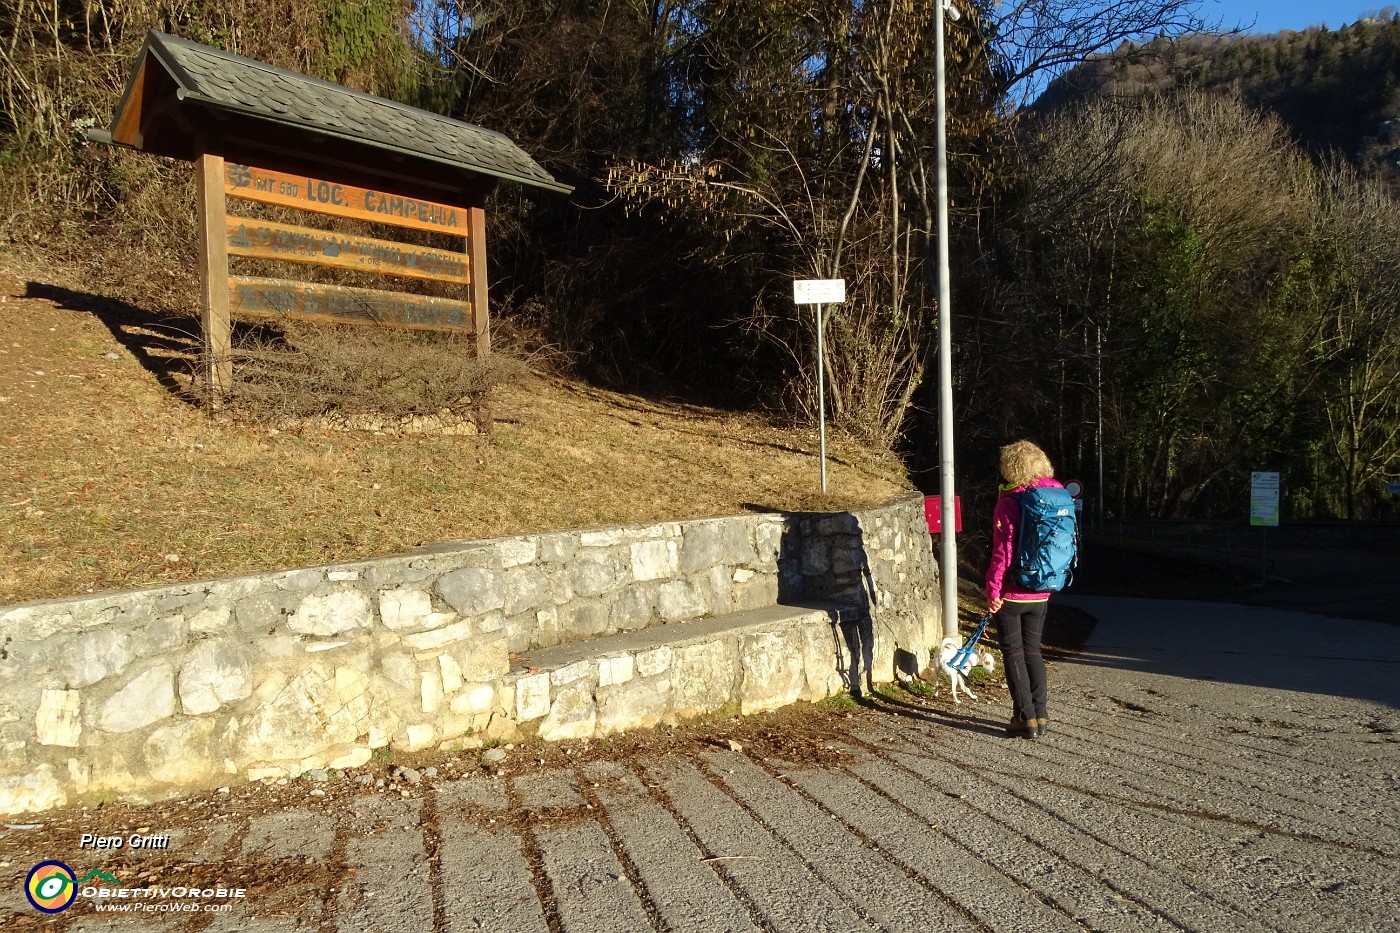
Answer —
(223, 236)
(250, 296)
(264, 239)
(325, 197)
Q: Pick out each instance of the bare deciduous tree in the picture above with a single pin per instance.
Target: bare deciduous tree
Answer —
(812, 157)
(1358, 233)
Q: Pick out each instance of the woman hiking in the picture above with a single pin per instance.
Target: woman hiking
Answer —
(1019, 612)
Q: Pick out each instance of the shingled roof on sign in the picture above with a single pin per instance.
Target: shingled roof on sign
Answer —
(174, 78)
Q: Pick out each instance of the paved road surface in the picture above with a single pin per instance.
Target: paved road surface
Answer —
(1212, 768)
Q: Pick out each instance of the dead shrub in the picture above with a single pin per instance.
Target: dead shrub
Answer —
(356, 376)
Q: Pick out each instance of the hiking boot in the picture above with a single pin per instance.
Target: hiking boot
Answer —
(1020, 728)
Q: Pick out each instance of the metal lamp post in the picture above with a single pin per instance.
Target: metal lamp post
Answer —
(948, 563)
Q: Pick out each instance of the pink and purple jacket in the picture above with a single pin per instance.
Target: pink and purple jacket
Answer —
(1005, 518)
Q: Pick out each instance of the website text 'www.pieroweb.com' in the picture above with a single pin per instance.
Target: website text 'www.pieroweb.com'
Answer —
(153, 900)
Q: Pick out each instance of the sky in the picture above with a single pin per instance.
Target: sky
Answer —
(1288, 14)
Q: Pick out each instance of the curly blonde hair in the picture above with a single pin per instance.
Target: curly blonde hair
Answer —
(1022, 462)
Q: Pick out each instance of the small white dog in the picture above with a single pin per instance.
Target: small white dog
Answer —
(979, 657)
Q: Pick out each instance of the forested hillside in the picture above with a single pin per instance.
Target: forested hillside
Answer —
(1234, 196)
(1172, 290)
(1335, 90)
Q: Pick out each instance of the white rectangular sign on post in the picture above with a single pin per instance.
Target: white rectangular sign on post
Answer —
(818, 291)
(1263, 499)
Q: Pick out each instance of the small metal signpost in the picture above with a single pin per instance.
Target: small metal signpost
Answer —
(819, 292)
(1076, 492)
(1263, 511)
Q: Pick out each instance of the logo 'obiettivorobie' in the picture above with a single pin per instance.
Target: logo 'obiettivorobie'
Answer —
(51, 887)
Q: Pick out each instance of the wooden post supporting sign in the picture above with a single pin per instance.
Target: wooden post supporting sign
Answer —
(476, 249)
(217, 368)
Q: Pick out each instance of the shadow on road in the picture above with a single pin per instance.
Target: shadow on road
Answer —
(1313, 628)
(1257, 646)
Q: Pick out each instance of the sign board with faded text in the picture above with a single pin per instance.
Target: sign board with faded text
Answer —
(328, 197)
(271, 298)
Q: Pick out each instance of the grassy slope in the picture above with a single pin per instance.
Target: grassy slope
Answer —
(108, 480)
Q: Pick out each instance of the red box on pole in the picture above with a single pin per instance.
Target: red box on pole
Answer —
(933, 511)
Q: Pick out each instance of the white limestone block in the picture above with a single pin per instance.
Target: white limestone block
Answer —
(59, 718)
(149, 697)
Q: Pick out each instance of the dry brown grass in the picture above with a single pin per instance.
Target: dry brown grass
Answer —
(360, 375)
(110, 481)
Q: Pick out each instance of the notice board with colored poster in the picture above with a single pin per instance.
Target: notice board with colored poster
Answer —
(1264, 499)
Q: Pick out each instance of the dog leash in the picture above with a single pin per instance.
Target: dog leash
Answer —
(970, 645)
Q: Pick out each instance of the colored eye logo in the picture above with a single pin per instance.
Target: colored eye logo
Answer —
(50, 887)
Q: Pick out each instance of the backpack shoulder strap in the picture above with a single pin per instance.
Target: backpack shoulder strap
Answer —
(1023, 500)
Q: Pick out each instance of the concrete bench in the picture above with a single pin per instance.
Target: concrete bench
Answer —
(740, 662)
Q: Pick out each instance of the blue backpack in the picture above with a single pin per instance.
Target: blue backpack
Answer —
(1047, 547)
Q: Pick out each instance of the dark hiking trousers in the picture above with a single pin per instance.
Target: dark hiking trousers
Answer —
(1019, 629)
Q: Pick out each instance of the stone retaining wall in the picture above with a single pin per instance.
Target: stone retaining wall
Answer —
(149, 693)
